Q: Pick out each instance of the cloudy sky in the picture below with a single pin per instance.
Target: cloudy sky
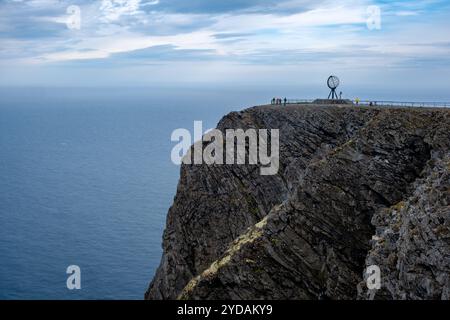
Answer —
(132, 42)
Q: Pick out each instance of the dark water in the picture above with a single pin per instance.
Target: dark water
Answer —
(86, 179)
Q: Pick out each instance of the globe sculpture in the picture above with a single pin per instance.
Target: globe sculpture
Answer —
(333, 83)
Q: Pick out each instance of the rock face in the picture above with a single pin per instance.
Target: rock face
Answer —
(412, 240)
(356, 187)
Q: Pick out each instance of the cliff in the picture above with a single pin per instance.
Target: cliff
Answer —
(356, 187)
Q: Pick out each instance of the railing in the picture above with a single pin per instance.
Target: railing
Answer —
(299, 101)
(377, 103)
(404, 103)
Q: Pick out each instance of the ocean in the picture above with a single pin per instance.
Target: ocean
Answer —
(86, 179)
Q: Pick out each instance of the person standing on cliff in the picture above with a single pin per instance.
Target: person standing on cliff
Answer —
(285, 101)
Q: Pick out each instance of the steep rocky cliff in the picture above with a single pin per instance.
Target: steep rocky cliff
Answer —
(356, 187)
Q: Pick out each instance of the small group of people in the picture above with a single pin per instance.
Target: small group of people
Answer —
(279, 101)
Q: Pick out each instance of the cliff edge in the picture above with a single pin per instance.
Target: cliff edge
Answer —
(356, 187)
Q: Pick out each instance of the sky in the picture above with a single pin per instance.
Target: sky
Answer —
(394, 45)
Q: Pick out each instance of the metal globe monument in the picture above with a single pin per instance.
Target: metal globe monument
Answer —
(333, 82)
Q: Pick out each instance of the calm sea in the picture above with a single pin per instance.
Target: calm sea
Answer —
(86, 179)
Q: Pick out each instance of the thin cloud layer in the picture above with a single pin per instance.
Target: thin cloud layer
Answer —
(250, 32)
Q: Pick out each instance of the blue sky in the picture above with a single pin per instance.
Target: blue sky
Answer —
(156, 42)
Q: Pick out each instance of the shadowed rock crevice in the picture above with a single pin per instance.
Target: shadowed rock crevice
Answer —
(304, 233)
